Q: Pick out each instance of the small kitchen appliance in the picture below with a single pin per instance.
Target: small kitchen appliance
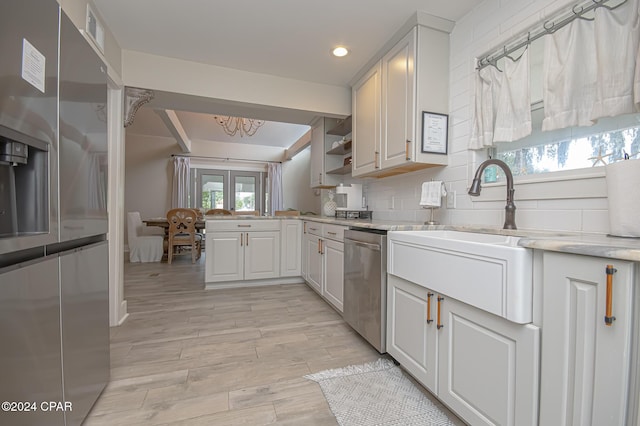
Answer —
(349, 197)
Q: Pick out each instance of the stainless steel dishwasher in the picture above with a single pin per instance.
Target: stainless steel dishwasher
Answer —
(365, 284)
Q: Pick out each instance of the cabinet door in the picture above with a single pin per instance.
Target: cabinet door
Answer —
(488, 366)
(261, 255)
(411, 337)
(366, 122)
(291, 253)
(225, 256)
(317, 154)
(314, 262)
(398, 103)
(585, 363)
(333, 288)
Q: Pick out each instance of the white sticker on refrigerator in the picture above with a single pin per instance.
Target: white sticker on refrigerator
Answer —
(33, 65)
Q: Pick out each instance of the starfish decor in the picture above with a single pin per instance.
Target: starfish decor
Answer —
(599, 158)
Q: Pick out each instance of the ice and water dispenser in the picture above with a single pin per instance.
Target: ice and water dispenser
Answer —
(24, 188)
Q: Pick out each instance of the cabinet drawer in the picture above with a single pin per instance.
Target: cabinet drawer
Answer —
(333, 232)
(313, 228)
(243, 225)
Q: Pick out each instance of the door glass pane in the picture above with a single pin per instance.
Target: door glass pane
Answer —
(245, 193)
(212, 191)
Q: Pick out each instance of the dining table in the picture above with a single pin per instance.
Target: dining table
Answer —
(163, 222)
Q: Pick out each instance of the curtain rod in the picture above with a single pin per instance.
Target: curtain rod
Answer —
(225, 158)
(548, 27)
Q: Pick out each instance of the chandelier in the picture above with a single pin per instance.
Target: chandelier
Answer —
(233, 125)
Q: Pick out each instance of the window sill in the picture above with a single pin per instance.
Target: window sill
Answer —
(570, 184)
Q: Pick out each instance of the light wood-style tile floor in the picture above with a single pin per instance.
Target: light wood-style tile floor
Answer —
(190, 356)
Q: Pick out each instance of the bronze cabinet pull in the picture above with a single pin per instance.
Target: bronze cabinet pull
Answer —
(247, 239)
(429, 296)
(241, 238)
(608, 316)
(439, 326)
(406, 150)
(375, 160)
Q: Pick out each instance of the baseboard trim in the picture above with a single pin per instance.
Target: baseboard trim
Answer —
(253, 283)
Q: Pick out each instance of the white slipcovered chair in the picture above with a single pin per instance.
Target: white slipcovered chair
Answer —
(142, 247)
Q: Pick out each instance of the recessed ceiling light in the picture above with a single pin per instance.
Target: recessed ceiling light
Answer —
(340, 51)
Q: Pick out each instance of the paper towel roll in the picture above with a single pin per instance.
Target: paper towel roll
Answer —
(623, 189)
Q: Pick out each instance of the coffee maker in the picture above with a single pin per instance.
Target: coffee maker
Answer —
(349, 197)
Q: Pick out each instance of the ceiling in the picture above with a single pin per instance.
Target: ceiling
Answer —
(286, 38)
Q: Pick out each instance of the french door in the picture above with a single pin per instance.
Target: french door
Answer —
(227, 189)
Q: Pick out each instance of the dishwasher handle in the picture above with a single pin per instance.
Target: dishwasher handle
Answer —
(375, 247)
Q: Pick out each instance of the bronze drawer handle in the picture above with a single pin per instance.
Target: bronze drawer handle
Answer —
(439, 326)
(429, 296)
(608, 317)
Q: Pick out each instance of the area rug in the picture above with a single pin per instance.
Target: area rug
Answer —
(377, 394)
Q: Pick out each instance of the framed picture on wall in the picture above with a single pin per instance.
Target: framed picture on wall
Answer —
(435, 132)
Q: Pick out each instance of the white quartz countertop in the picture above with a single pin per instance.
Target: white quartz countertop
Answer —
(589, 244)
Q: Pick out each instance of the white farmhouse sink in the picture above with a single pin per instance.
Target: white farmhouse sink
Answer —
(488, 271)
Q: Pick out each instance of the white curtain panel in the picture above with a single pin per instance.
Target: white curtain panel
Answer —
(276, 201)
(513, 113)
(617, 35)
(570, 76)
(488, 81)
(180, 191)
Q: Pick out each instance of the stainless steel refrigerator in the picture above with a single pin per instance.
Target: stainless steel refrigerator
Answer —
(54, 324)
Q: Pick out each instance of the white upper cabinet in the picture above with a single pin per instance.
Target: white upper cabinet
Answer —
(388, 102)
(366, 122)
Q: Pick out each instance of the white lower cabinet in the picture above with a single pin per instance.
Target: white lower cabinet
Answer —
(333, 272)
(323, 260)
(483, 367)
(585, 362)
(313, 256)
(234, 256)
(239, 250)
(291, 253)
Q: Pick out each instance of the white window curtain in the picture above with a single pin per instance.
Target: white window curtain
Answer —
(617, 38)
(570, 76)
(502, 105)
(591, 69)
(180, 191)
(276, 201)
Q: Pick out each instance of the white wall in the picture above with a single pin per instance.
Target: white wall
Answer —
(295, 184)
(571, 205)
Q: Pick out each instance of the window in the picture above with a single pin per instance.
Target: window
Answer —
(565, 149)
(574, 148)
(227, 189)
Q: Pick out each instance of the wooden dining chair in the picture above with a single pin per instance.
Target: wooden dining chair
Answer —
(214, 212)
(182, 233)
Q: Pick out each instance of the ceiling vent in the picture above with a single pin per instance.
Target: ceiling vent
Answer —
(95, 29)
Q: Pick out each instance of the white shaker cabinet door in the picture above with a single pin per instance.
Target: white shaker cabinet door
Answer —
(398, 103)
(411, 332)
(488, 366)
(261, 255)
(291, 253)
(224, 256)
(366, 122)
(333, 252)
(585, 362)
(314, 262)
